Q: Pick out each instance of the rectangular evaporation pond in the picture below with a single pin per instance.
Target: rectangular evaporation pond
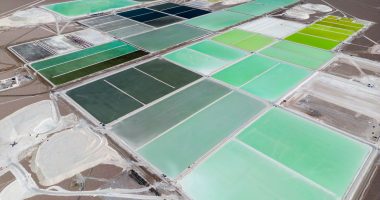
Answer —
(277, 3)
(310, 150)
(299, 54)
(144, 126)
(205, 57)
(163, 6)
(91, 36)
(103, 101)
(331, 24)
(130, 30)
(179, 10)
(59, 44)
(263, 77)
(31, 52)
(140, 85)
(115, 25)
(276, 82)
(149, 86)
(87, 7)
(331, 29)
(184, 144)
(166, 37)
(345, 24)
(100, 20)
(135, 12)
(340, 23)
(163, 21)
(336, 17)
(193, 13)
(313, 41)
(149, 16)
(168, 72)
(218, 20)
(245, 70)
(325, 34)
(273, 27)
(253, 8)
(75, 65)
(244, 40)
(75, 55)
(237, 171)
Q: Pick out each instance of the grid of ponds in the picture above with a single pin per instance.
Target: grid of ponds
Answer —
(327, 33)
(152, 28)
(197, 122)
(80, 8)
(298, 54)
(166, 37)
(205, 57)
(263, 77)
(244, 40)
(260, 7)
(58, 45)
(149, 36)
(215, 127)
(68, 67)
(202, 114)
(273, 27)
(279, 155)
(114, 96)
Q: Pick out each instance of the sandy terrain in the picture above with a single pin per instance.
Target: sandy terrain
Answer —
(6, 179)
(10, 6)
(36, 90)
(340, 103)
(61, 157)
(372, 192)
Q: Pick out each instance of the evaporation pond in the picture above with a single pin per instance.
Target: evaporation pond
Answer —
(149, 123)
(114, 96)
(239, 172)
(263, 77)
(205, 57)
(68, 67)
(86, 7)
(279, 154)
(218, 20)
(166, 37)
(185, 143)
(244, 40)
(314, 152)
(309, 57)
